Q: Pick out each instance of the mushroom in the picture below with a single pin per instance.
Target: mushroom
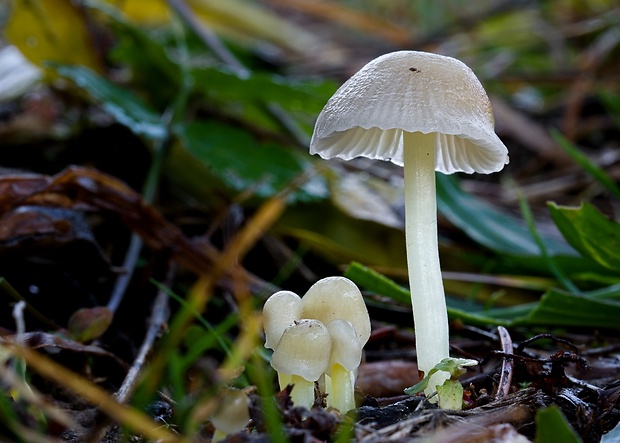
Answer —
(232, 415)
(345, 357)
(301, 358)
(427, 113)
(280, 311)
(338, 303)
(337, 298)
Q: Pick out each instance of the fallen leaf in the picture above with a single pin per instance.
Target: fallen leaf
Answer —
(87, 324)
(387, 378)
(82, 188)
(51, 30)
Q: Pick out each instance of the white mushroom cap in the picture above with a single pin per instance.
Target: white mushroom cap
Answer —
(346, 348)
(414, 92)
(303, 350)
(280, 311)
(233, 414)
(338, 298)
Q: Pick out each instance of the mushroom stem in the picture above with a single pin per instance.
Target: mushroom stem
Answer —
(218, 435)
(303, 390)
(340, 387)
(427, 295)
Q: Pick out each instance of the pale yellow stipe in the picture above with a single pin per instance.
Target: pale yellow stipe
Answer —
(218, 436)
(340, 386)
(303, 390)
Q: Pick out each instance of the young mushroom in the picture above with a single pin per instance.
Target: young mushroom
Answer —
(427, 113)
(280, 311)
(344, 360)
(337, 298)
(232, 415)
(338, 303)
(301, 358)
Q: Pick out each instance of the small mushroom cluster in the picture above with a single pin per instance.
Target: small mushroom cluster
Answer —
(318, 338)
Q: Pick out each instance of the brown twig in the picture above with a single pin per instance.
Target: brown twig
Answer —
(159, 316)
(157, 321)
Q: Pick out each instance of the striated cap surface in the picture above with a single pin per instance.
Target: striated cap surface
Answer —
(280, 311)
(303, 350)
(338, 298)
(415, 92)
(346, 348)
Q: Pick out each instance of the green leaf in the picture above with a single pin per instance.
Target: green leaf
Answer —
(607, 293)
(242, 163)
(520, 312)
(226, 85)
(120, 103)
(148, 53)
(489, 226)
(552, 427)
(549, 260)
(373, 281)
(261, 100)
(558, 308)
(421, 385)
(510, 237)
(454, 366)
(199, 340)
(586, 164)
(589, 232)
(612, 103)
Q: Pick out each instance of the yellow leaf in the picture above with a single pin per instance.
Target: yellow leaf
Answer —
(51, 30)
(243, 21)
(249, 23)
(144, 12)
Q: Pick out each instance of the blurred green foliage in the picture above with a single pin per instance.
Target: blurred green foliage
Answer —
(232, 127)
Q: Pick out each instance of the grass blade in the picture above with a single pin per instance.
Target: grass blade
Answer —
(586, 164)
